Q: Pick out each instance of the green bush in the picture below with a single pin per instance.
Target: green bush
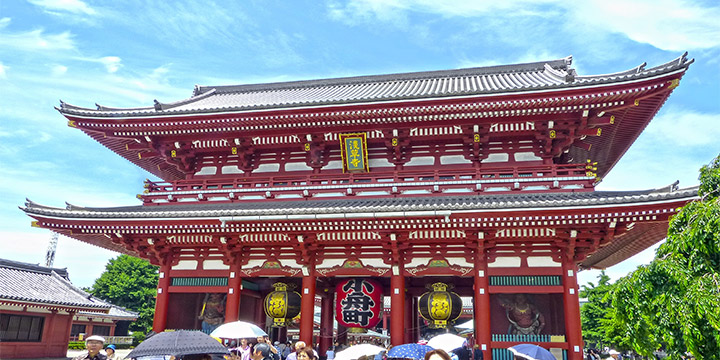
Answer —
(76, 345)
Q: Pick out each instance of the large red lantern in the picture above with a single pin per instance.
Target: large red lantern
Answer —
(359, 303)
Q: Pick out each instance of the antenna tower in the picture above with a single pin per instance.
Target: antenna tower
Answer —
(50, 256)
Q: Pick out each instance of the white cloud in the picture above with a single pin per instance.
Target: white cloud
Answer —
(4, 22)
(37, 41)
(71, 6)
(673, 25)
(112, 63)
(58, 70)
(686, 128)
(3, 70)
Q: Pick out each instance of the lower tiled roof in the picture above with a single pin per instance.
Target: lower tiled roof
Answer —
(28, 283)
(486, 201)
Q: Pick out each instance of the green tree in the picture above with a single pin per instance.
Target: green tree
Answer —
(595, 309)
(675, 301)
(130, 282)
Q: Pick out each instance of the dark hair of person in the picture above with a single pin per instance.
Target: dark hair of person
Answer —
(439, 352)
(308, 351)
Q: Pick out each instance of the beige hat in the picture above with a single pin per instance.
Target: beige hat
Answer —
(95, 337)
(613, 352)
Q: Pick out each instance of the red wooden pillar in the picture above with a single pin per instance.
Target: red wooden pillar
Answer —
(408, 321)
(307, 305)
(397, 305)
(232, 304)
(68, 328)
(573, 328)
(161, 302)
(481, 304)
(326, 322)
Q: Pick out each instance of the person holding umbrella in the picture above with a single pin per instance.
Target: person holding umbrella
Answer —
(93, 344)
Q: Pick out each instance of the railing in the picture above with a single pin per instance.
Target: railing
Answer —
(407, 182)
(505, 354)
(540, 280)
(528, 338)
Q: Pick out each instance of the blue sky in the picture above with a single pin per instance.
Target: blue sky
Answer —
(127, 53)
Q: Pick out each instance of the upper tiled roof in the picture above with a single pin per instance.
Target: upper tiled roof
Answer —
(554, 74)
(370, 205)
(42, 286)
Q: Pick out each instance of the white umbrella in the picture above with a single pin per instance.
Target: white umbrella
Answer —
(238, 330)
(356, 351)
(447, 342)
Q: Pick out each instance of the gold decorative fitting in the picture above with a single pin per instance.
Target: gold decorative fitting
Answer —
(394, 141)
(476, 137)
(173, 153)
(553, 134)
(599, 131)
(35, 224)
(71, 123)
(233, 150)
(637, 102)
(439, 286)
(307, 146)
(612, 119)
(139, 155)
(674, 83)
(139, 196)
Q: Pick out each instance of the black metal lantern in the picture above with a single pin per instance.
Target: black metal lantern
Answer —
(282, 305)
(440, 307)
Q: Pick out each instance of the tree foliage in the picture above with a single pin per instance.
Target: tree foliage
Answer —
(595, 312)
(675, 301)
(130, 282)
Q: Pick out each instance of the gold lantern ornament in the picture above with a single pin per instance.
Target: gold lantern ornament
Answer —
(440, 307)
(283, 304)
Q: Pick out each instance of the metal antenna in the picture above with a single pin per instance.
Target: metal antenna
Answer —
(50, 256)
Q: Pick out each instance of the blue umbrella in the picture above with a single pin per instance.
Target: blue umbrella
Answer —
(409, 351)
(532, 352)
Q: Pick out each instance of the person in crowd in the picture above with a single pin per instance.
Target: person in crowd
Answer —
(306, 353)
(93, 344)
(244, 350)
(261, 351)
(273, 351)
(110, 352)
(437, 354)
(613, 354)
(477, 353)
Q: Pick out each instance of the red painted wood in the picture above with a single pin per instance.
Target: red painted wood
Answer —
(573, 327)
(232, 305)
(307, 308)
(397, 312)
(326, 322)
(161, 302)
(481, 305)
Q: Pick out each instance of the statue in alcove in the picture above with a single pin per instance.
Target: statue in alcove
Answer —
(213, 312)
(524, 317)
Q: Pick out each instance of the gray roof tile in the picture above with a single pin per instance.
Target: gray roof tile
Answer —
(365, 205)
(23, 282)
(554, 74)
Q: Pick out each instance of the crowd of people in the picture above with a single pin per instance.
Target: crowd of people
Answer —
(94, 345)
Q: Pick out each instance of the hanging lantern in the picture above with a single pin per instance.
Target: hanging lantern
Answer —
(439, 306)
(359, 303)
(282, 305)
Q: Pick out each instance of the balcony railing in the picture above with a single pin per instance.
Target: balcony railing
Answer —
(377, 184)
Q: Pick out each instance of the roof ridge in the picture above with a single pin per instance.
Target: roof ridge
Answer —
(563, 63)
